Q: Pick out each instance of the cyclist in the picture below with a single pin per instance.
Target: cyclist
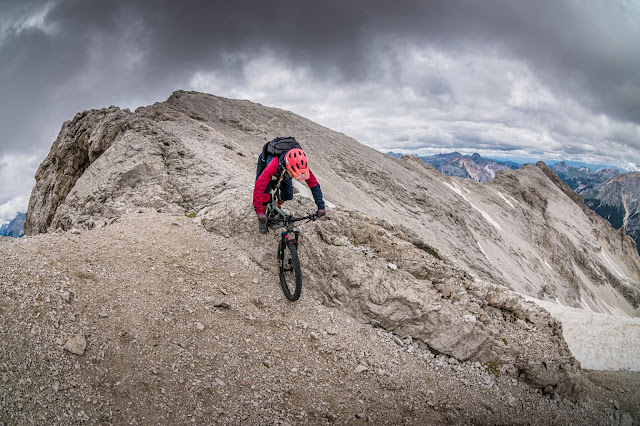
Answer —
(292, 164)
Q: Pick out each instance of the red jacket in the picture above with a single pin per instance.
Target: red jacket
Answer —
(259, 195)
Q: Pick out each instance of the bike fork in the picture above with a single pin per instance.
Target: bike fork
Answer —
(286, 239)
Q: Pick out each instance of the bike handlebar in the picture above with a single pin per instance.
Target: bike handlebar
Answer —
(290, 219)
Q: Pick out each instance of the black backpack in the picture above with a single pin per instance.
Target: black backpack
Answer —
(275, 148)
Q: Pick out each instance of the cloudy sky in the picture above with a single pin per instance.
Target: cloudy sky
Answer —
(544, 79)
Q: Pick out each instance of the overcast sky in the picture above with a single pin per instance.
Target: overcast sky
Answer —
(543, 79)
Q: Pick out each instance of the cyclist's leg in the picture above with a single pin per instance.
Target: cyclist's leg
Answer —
(263, 227)
(271, 213)
(286, 191)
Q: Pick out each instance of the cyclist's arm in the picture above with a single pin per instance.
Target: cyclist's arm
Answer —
(315, 190)
(259, 197)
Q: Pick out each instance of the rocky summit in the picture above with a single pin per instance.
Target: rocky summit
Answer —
(144, 292)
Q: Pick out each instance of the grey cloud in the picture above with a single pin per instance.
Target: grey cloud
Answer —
(92, 54)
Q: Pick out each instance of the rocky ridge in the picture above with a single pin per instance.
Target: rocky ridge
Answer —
(186, 154)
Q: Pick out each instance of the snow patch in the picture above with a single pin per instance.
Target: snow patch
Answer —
(548, 266)
(483, 252)
(615, 267)
(599, 341)
(505, 200)
(588, 304)
(614, 310)
(455, 188)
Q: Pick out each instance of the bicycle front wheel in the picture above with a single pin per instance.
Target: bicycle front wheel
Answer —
(289, 271)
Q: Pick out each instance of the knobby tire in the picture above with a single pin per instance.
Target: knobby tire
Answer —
(287, 265)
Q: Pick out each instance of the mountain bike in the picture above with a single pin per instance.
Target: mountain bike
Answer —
(288, 262)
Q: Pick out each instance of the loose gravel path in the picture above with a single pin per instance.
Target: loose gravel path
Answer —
(153, 320)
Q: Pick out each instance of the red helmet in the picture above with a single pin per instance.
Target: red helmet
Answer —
(297, 164)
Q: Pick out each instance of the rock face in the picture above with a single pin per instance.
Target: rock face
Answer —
(80, 143)
(462, 250)
(618, 201)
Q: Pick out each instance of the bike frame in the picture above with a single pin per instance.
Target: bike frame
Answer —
(287, 221)
(276, 219)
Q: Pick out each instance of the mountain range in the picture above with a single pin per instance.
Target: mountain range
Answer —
(144, 291)
(13, 228)
(466, 166)
(613, 195)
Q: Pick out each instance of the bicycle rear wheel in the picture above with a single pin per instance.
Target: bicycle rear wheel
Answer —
(289, 271)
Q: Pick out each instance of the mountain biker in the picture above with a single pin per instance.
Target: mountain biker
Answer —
(292, 164)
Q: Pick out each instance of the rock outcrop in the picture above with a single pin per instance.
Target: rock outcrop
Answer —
(80, 143)
(386, 276)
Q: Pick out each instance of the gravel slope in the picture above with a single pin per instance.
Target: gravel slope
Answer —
(182, 327)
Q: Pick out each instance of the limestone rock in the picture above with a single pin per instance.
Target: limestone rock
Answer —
(76, 345)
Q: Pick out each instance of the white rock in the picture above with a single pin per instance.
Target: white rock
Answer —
(76, 345)
(469, 318)
(218, 303)
(392, 266)
(360, 368)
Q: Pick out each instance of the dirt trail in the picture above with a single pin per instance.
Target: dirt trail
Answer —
(182, 327)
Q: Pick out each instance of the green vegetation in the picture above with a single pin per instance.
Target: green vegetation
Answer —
(191, 215)
(492, 368)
